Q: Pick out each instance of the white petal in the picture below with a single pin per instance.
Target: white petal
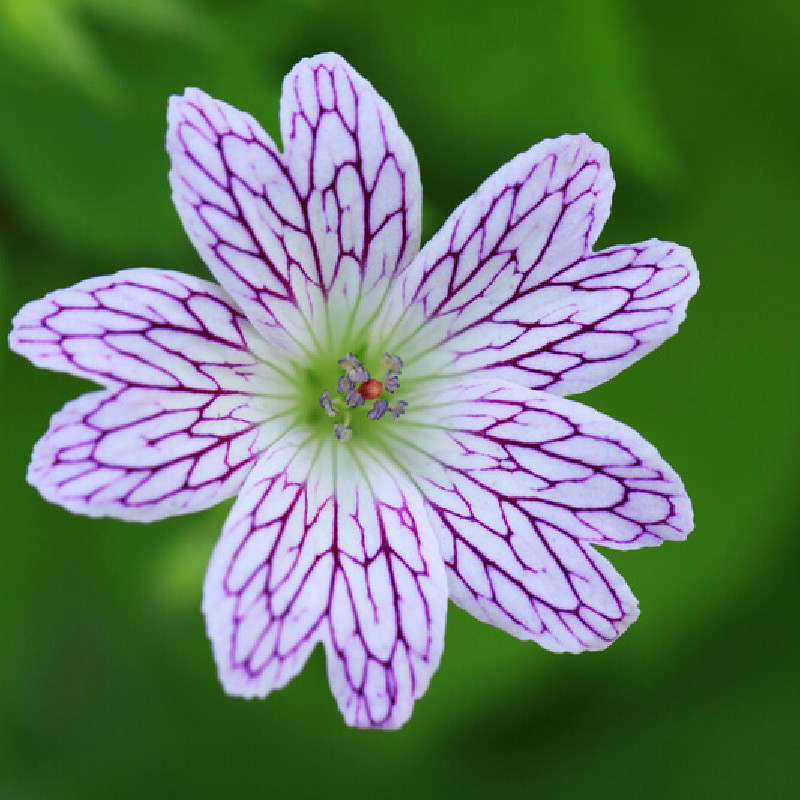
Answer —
(178, 428)
(358, 570)
(510, 283)
(238, 206)
(332, 218)
(520, 498)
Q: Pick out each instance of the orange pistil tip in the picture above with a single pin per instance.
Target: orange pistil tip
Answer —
(370, 389)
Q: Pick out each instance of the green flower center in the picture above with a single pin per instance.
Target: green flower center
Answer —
(359, 396)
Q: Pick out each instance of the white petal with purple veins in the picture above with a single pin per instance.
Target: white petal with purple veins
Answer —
(510, 282)
(182, 420)
(519, 499)
(133, 455)
(237, 204)
(358, 570)
(257, 216)
(110, 328)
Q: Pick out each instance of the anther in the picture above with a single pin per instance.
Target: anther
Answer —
(378, 409)
(327, 404)
(392, 363)
(349, 362)
(358, 375)
(391, 383)
(344, 433)
(396, 408)
(354, 398)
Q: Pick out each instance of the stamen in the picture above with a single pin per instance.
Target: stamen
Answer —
(354, 398)
(391, 383)
(397, 407)
(344, 433)
(349, 362)
(392, 363)
(356, 386)
(327, 404)
(378, 409)
(358, 375)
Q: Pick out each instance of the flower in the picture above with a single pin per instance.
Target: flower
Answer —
(392, 423)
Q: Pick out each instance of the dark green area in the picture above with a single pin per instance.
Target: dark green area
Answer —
(107, 686)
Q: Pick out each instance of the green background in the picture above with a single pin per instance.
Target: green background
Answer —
(107, 686)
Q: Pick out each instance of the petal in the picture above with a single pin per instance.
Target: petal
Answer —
(178, 427)
(355, 169)
(145, 327)
(510, 283)
(332, 217)
(357, 570)
(525, 484)
(142, 454)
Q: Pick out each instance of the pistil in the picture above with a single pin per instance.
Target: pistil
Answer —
(370, 389)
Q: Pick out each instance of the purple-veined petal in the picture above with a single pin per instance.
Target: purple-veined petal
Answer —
(178, 427)
(356, 170)
(324, 222)
(511, 284)
(524, 484)
(355, 567)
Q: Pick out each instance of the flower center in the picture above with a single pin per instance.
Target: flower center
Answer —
(356, 386)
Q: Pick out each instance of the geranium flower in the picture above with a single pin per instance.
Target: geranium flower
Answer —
(392, 423)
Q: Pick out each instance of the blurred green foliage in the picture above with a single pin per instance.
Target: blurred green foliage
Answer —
(107, 687)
